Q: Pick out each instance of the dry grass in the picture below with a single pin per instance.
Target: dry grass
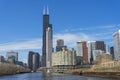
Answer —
(7, 69)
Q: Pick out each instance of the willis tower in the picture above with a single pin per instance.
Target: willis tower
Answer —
(47, 40)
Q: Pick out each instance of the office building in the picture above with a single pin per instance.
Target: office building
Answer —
(112, 52)
(30, 59)
(116, 39)
(45, 46)
(81, 52)
(95, 45)
(60, 45)
(95, 54)
(64, 57)
(36, 61)
(100, 45)
(60, 42)
(91, 47)
(33, 60)
(12, 57)
(2, 58)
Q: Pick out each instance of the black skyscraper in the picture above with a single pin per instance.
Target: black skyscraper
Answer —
(112, 52)
(45, 26)
(33, 60)
(30, 59)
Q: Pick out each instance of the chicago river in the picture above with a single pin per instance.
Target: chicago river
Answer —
(42, 76)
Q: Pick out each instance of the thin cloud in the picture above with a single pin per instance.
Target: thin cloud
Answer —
(69, 38)
(94, 28)
(30, 44)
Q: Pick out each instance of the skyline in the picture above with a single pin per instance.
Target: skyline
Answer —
(21, 23)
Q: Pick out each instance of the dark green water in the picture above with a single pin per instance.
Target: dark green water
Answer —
(41, 76)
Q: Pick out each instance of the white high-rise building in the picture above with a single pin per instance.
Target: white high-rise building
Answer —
(79, 51)
(48, 47)
(116, 39)
(91, 47)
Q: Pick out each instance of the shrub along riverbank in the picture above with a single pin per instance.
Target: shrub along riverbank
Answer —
(10, 69)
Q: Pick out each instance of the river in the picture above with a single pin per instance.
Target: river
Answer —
(41, 76)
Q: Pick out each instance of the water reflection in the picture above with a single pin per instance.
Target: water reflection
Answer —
(44, 76)
(47, 76)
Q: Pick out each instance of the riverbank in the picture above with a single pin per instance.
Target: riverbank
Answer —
(11, 69)
(115, 75)
(103, 74)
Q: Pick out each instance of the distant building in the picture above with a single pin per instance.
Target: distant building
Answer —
(12, 57)
(60, 45)
(64, 57)
(81, 52)
(60, 42)
(2, 58)
(95, 54)
(116, 39)
(112, 52)
(20, 63)
(35, 63)
(30, 59)
(91, 47)
(95, 45)
(100, 45)
(33, 60)
(102, 58)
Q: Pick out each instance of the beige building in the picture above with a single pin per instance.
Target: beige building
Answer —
(101, 58)
(64, 57)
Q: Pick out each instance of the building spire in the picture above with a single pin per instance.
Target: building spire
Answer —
(46, 10)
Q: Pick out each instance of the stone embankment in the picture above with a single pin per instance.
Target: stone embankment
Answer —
(89, 72)
(10, 69)
(108, 69)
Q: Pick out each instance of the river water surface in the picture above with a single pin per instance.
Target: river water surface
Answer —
(41, 76)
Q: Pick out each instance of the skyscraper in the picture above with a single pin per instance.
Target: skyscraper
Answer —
(100, 45)
(46, 25)
(92, 47)
(112, 51)
(82, 51)
(30, 58)
(48, 47)
(116, 39)
(60, 45)
(33, 60)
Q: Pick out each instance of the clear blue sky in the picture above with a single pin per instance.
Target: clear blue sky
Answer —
(73, 20)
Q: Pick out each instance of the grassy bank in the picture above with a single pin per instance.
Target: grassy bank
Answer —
(10, 69)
